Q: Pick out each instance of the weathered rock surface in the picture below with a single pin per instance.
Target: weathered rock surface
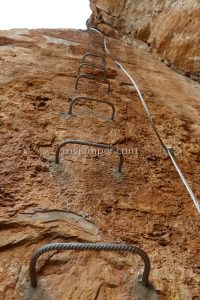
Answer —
(171, 27)
(84, 200)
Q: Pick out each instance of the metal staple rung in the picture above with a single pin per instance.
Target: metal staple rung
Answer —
(89, 54)
(92, 66)
(79, 142)
(170, 154)
(91, 99)
(92, 77)
(96, 47)
(94, 247)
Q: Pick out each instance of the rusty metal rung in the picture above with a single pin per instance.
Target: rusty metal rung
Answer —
(92, 66)
(91, 247)
(97, 145)
(89, 54)
(92, 77)
(91, 99)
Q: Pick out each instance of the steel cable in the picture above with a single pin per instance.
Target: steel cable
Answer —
(167, 149)
(94, 247)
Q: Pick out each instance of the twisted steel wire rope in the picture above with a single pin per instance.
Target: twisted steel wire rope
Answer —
(168, 150)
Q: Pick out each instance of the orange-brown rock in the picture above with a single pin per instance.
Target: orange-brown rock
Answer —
(84, 199)
(171, 27)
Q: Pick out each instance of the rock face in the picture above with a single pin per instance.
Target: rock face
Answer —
(84, 199)
(171, 27)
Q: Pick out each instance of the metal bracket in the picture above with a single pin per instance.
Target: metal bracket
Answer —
(79, 142)
(90, 247)
(88, 54)
(92, 77)
(92, 66)
(91, 99)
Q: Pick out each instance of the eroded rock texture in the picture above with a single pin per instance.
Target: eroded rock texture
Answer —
(84, 199)
(171, 27)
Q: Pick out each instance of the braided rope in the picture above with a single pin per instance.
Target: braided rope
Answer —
(95, 100)
(94, 247)
(103, 146)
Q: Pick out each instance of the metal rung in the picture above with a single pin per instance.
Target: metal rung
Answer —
(92, 66)
(92, 77)
(91, 247)
(97, 145)
(89, 54)
(91, 99)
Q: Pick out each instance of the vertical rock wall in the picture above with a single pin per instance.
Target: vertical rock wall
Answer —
(171, 27)
(85, 200)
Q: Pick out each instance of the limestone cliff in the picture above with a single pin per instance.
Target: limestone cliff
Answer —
(85, 200)
(171, 27)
